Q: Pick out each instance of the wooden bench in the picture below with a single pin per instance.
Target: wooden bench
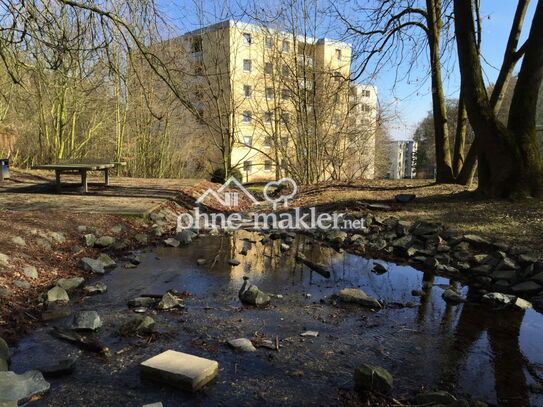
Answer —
(82, 168)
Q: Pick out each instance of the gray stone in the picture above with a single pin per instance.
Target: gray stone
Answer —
(22, 284)
(435, 397)
(310, 334)
(528, 258)
(104, 241)
(483, 269)
(134, 259)
(98, 288)
(81, 228)
(168, 301)
(201, 262)
(452, 296)
(538, 278)
(146, 324)
(141, 238)
(404, 198)
(59, 368)
(185, 237)
(30, 272)
(5, 292)
(116, 229)
(403, 242)
(498, 299)
(508, 275)
(373, 379)
(476, 240)
(141, 302)
(70, 284)
(58, 237)
(4, 260)
(87, 320)
(91, 265)
(356, 296)
(251, 295)
(242, 344)
(425, 228)
(19, 241)
(172, 242)
(89, 239)
(522, 304)
(57, 294)
(527, 287)
(107, 261)
(507, 264)
(180, 370)
(159, 404)
(22, 387)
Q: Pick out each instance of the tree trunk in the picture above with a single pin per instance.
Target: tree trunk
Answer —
(460, 139)
(508, 158)
(444, 172)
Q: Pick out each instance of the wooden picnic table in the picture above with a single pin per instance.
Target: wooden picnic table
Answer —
(81, 168)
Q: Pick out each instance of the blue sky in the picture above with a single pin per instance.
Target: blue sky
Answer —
(406, 102)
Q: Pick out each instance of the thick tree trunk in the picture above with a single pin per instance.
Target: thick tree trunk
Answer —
(466, 174)
(508, 159)
(460, 139)
(444, 172)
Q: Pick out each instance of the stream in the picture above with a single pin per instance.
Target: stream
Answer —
(471, 350)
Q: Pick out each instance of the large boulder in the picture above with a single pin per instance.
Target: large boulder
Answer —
(87, 320)
(91, 265)
(373, 379)
(104, 241)
(70, 284)
(21, 387)
(251, 295)
(57, 294)
(356, 296)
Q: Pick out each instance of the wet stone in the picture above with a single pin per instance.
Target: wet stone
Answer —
(452, 297)
(104, 241)
(159, 404)
(107, 262)
(98, 288)
(373, 379)
(433, 398)
(185, 237)
(89, 239)
(172, 242)
(310, 334)
(168, 301)
(91, 265)
(242, 344)
(141, 302)
(70, 284)
(87, 320)
(180, 370)
(22, 387)
(356, 296)
(527, 287)
(60, 368)
(56, 310)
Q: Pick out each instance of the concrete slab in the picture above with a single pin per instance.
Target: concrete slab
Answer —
(180, 370)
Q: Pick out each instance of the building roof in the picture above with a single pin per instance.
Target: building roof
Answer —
(263, 29)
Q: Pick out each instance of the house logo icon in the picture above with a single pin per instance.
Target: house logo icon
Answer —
(229, 199)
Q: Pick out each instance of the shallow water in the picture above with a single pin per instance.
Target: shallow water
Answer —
(469, 349)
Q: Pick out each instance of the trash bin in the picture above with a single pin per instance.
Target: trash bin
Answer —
(4, 168)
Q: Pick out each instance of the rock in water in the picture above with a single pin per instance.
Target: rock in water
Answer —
(251, 295)
(180, 370)
(242, 344)
(168, 301)
(452, 296)
(60, 368)
(87, 320)
(107, 261)
(98, 288)
(356, 296)
(20, 388)
(373, 379)
(185, 237)
(172, 242)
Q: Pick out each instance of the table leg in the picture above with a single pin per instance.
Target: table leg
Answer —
(57, 184)
(106, 176)
(84, 181)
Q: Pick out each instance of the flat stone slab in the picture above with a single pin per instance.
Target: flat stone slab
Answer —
(20, 388)
(180, 370)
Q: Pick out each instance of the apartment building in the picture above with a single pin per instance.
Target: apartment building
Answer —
(280, 104)
(403, 159)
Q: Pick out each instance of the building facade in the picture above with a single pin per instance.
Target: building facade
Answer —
(278, 104)
(403, 159)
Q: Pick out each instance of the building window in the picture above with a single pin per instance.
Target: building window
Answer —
(269, 93)
(286, 46)
(247, 39)
(366, 93)
(285, 94)
(268, 116)
(247, 116)
(336, 76)
(267, 165)
(338, 54)
(284, 142)
(285, 117)
(247, 165)
(268, 68)
(247, 65)
(248, 141)
(267, 141)
(285, 71)
(366, 108)
(269, 42)
(196, 44)
(247, 91)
